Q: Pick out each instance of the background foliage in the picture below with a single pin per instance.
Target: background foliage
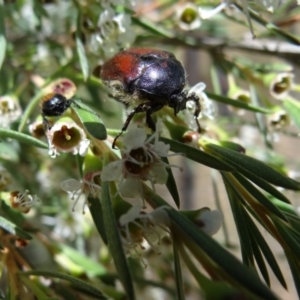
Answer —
(247, 54)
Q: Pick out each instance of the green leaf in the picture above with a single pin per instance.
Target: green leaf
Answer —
(221, 257)
(294, 266)
(171, 184)
(268, 254)
(91, 267)
(225, 260)
(288, 236)
(177, 268)
(237, 103)
(293, 109)
(264, 185)
(259, 260)
(8, 152)
(13, 215)
(3, 42)
(76, 282)
(90, 120)
(271, 27)
(198, 156)
(239, 218)
(233, 146)
(22, 138)
(84, 64)
(30, 107)
(14, 229)
(114, 242)
(254, 166)
(261, 198)
(97, 215)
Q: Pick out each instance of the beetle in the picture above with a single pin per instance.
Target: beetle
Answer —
(150, 79)
(54, 105)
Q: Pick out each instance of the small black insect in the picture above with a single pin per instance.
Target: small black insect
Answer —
(152, 76)
(54, 105)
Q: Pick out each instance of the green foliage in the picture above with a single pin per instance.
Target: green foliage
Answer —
(132, 242)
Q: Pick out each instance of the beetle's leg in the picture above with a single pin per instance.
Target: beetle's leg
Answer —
(196, 99)
(139, 108)
(152, 107)
(46, 123)
(149, 108)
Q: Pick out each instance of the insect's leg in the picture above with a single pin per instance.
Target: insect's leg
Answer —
(197, 111)
(149, 108)
(46, 123)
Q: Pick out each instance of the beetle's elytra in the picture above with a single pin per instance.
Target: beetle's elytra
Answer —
(150, 78)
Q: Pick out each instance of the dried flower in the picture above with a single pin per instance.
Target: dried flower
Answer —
(37, 128)
(22, 201)
(63, 86)
(191, 138)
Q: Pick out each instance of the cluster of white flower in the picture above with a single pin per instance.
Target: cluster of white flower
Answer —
(141, 161)
(114, 31)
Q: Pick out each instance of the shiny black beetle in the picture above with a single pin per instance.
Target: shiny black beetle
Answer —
(150, 78)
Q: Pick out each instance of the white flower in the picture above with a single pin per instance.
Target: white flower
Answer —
(67, 137)
(37, 128)
(208, 107)
(10, 110)
(188, 16)
(141, 161)
(115, 32)
(243, 96)
(281, 85)
(77, 189)
(23, 201)
(210, 221)
(279, 120)
(138, 226)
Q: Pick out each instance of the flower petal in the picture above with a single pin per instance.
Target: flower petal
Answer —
(70, 185)
(130, 187)
(212, 221)
(135, 138)
(112, 171)
(159, 173)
